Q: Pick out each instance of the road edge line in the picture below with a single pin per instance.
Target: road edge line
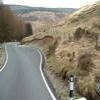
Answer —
(44, 79)
(6, 59)
(42, 74)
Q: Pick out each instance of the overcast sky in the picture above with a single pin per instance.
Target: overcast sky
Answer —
(52, 3)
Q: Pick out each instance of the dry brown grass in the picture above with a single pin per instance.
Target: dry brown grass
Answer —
(86, 18)
(85, 62)
(86, 85)
(86, 80)
(78, 57)
(82, 59)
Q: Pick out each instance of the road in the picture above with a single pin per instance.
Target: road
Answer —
(21, 78)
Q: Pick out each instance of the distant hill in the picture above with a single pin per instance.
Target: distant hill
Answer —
(40, 17)
(26, 9)
(87, 17)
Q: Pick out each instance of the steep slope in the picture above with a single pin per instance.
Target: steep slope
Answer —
(87, 17)
(80, 57)
(77, 51)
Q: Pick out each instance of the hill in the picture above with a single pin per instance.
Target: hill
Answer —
(41, 18)
(87, 17)
(41, 21)
(74, 49)
(77, 50)
(26, 9)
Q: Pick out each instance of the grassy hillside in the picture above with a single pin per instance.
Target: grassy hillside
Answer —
(87, 18)
(76, 50)
(26, 9)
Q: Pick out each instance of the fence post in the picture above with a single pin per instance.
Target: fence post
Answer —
(71, 87)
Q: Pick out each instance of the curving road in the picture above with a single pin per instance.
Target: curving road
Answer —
(21, 78)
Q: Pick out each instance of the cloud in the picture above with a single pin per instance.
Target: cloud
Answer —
(52, 3)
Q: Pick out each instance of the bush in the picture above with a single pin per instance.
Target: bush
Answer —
(52, 47)
(28, 29)
(85, 62)
(79, 33)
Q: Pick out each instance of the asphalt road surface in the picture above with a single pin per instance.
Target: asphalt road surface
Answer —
(21, 78)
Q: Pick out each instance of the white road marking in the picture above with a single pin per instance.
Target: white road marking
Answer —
(81, 99)
(22, 46)
(43, 76)
(44, 79)
(5, 60)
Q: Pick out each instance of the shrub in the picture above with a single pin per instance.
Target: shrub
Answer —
(28, 29)
(79, 33)
(85, 62)
(52, 47)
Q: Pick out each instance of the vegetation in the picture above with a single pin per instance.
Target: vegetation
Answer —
(78, 57)
(78, 33)
(28, 29)
(96, 39)
(85, 62)
(25, 9)
(11, 27)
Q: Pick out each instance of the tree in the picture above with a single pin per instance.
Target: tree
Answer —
(11, 26)
(29, 30)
